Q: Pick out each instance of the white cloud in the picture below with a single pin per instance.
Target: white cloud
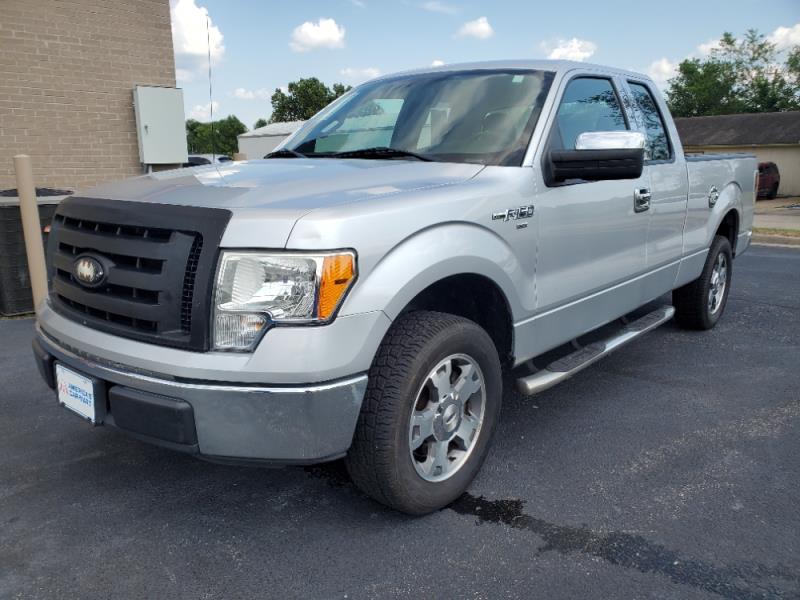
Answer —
(202, 112)
(785, 38)
(245, 94)
(191, 41)
(360, 75)
(571, 49)
(325, 33)
(661, 71)
(479, 28)
(440, 7)
(706, 48)
(437, 63)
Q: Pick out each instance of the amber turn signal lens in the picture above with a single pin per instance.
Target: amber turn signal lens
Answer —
(338, 272)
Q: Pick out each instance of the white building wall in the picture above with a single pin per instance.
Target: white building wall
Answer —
(256, 147)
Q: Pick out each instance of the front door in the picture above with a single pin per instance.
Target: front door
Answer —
(592, 240)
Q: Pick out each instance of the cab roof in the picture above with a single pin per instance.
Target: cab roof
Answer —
(557, 66)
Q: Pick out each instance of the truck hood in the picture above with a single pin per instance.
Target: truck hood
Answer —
(269, 196)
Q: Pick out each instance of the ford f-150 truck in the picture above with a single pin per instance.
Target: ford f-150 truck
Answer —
(359, 292)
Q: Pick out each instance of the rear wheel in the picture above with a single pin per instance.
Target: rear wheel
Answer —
(700, 304)
(431, 405)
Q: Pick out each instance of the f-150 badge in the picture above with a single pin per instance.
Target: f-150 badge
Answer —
(513, 214)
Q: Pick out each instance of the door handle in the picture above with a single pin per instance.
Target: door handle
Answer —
(641, 199)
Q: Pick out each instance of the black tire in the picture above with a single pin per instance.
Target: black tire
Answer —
(773, 192)
(692, 306)
(380, 461)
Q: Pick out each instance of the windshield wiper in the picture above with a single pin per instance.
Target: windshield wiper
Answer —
(379, 152)
(285, 153)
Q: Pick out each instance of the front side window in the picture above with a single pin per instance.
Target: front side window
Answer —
(657, 145)
(588, 104)
(484, 117)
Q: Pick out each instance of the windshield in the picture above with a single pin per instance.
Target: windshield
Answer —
(484, 117)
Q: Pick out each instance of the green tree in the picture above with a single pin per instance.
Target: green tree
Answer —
(227, 131)
(260, 123)
(219, 137)
(303, 99)
(738, 76)
(703, 88)
(198, 136)
(793, 66)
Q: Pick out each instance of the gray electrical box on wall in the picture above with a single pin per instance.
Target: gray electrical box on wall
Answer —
(160, 125)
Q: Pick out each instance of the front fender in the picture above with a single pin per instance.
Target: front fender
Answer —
(435, 253)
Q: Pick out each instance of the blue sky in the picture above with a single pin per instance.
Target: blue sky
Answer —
(258, 46)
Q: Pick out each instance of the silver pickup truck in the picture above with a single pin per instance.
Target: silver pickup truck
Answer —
(360, 292)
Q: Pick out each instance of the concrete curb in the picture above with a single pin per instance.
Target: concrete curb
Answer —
(780, 240)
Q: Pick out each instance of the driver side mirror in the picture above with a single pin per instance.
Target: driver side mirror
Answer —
(598, 155)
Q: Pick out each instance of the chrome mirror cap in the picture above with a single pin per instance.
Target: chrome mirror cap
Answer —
(610, 140)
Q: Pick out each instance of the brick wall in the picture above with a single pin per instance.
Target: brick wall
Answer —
(67, 73)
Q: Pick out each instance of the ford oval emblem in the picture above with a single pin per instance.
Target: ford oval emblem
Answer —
(88, 271)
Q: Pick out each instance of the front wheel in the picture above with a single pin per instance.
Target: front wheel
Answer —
(700, 304)
(431, 405)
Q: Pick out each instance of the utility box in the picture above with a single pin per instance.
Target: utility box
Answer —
(160, 125)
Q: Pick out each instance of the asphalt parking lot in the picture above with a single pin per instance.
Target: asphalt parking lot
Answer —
(669, 469)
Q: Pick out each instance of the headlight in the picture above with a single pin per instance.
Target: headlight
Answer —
(255, 289)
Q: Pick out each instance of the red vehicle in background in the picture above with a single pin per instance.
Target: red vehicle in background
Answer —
(769, 179)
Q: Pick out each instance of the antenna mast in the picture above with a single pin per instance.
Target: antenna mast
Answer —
(210, 95)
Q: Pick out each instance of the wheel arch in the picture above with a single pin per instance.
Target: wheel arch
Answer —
(725, 218)
(729, 228)
(474, 297)
(468, 265)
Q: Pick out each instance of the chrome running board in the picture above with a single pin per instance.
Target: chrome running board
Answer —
(566, 367)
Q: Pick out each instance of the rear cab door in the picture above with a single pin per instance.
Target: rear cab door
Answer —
(665, 170)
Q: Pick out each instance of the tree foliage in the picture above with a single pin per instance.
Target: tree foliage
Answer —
(737, 76)
(260, 123)
(201, 140)
(303, 99)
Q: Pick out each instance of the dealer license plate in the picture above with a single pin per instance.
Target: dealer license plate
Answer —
(76, 392)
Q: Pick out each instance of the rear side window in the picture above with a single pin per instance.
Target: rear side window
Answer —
(588, 104)
(657, 146)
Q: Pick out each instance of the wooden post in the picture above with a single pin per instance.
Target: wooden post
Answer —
(31, 228)
(239, 156)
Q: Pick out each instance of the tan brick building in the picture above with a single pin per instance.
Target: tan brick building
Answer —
(67, 73)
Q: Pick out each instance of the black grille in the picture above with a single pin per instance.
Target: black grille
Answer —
(158, 260)
(188, 282)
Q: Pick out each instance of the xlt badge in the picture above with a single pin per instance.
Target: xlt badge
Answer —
(512, 214)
